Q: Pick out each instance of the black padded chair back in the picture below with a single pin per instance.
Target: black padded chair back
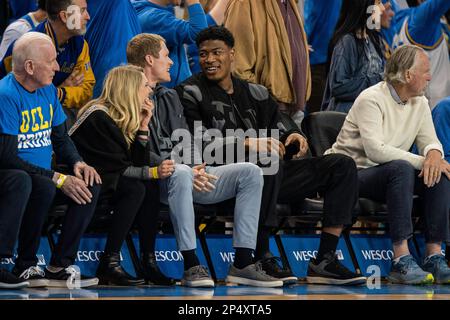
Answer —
(322, 129)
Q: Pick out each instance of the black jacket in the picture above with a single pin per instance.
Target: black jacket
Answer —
(167, 117)
(102, 144)
(249, 107)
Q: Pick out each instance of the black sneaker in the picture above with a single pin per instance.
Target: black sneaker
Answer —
(331, 271)
(271, 265)
(71, 278)
(9, 281)
(34, 275)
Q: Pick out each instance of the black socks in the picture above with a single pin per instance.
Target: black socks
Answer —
(243, 257)
(328, 243)
(190, 259)
(262, 243)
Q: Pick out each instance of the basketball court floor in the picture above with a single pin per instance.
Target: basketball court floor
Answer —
(222, 292)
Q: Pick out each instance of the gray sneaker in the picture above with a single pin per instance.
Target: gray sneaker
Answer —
(197, 276)
(438, 267)
(407, 271)
(253, 275)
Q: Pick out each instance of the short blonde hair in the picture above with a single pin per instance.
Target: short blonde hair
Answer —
(120, 96)
(142, 45)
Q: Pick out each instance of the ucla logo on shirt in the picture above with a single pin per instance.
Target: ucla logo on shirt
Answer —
(35, 131)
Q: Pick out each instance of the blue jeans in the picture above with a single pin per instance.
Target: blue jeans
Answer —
(244, 181)
(395, 183)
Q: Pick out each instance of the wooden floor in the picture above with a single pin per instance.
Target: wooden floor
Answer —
(222, 292)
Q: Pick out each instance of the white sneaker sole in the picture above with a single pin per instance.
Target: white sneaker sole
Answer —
(255, 283)
(38, 283)
(80, 284)
(289, 280)
(19, 285)
(323, 280)
(427, 280)
(207, 283)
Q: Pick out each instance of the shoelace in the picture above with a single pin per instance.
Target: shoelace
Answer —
(202, 271)
(74, 274)
(441, 262)
(276, 261)
(410, 263)
(32, 271)
(259, 268)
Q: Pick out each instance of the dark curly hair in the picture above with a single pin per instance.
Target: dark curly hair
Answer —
(216, 33)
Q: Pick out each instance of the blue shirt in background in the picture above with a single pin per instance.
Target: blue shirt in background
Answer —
(108, 41)
(441, 119)
(177, 33)
(321, 17)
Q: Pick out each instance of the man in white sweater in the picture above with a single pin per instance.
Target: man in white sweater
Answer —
(383, 124)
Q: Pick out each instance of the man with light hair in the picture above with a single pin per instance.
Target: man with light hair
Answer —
(383, 124)
(66, 26)
(32, 127)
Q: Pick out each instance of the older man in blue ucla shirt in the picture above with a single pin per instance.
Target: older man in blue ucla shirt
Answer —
(32, 126)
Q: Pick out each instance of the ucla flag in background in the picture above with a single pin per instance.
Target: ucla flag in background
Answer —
(113, 23)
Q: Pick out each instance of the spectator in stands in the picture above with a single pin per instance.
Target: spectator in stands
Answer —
(388, 28)
(112, 134)
(22, 25)
(357, 60)
(422, 27)
(272, 50)
(112, 25)
(31, 128)
(158, 16)
(222, 101)
(15, 189)
(441, 120)
(215, 10)
(199, 184)
(378, 133)
(321, 17)
(66, 26)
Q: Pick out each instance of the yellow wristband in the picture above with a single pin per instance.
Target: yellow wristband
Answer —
(60, 182)
(154, 171)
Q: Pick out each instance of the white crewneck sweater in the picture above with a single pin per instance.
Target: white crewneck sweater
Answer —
(380, 129)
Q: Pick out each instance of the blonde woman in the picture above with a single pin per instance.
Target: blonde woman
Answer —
(112, 134)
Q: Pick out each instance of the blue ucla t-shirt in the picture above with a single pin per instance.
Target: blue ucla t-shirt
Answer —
(30, 116)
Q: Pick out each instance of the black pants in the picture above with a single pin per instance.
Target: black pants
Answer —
(15, 189)
(74, 224)
(134, 200)
(333, 176)
(396, 182)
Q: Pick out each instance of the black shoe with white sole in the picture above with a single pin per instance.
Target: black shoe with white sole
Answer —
(34, 275)
(274, 267)
(9, 281)
(331, 271)
(70, 277)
